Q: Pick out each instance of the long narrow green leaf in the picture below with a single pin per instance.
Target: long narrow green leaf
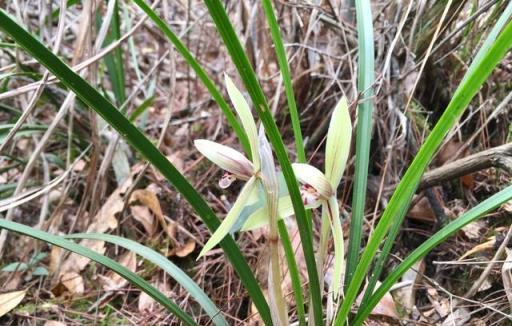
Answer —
(475, 213)
(287, 80)
(299, 148)
(489, 40)
(105, 261)
(395, 228)
(91, 97)
(248, 76)
(161, 261)
(114, 60)
(395, 212)
(201, 74)
(365, 80)
(293, 270)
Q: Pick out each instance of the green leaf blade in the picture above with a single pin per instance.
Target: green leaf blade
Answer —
(161, 261)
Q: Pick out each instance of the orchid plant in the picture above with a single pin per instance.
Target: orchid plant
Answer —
(318, 189)
(259, 173)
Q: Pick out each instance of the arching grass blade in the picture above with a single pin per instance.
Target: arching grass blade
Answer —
(105, 261)
(161, 261)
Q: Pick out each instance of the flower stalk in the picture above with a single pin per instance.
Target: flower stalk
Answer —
(270, 184)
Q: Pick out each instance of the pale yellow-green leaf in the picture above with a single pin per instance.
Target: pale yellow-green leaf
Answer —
(10, 300)
(338, 143)
(254, 196)
(308, 174)
(244, 113)
(226, 158)
(230, 219)
(339, 250)
(260, 217)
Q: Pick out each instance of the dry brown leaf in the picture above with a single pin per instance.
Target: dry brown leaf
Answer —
(186, 250)
(422, 211)
(54, 323)
(149, 199)
(10, 300)
(76, 263)
(506, 275)
(146, 304)
(13, 282)
(79, 166)
(386, 306)
(172, 230)
(55, 259)
(73, 282)
(441, 305)
(143, 215)
(459, 316)
(177, 161)
(473, 230)
(507, 206)
(406, 295)
(479, 248)
(447, 151)
(114, 281)
(102, 222)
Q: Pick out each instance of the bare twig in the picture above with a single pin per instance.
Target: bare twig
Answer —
(498, 157)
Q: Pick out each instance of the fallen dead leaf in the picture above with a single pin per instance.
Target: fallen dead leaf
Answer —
(506, 275)
(447, 151)
(172, 230)
(473, 230)
(146, 304)
(73, 282)
(143, 215)
(76, 263)
(149, 199)
(54, 323)
(102, 222)
(441, 305)
(386, 306)
(79, 166)
(406, 295)
(458, 317)
(177, 161)
(114, 281)
(13, 283)
(186, 249)
(479, 248)
(422, 211)
(55, 259)
(10, 300)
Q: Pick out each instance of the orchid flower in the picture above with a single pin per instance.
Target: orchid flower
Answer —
(235, 164)
(319, 189)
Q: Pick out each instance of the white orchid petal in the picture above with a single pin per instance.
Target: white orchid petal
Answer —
(245, 115)
(338, 143)
(307, 174)
(268, 167)
(231, 217)
(225, 157)
(285, 209)
(339, 248)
